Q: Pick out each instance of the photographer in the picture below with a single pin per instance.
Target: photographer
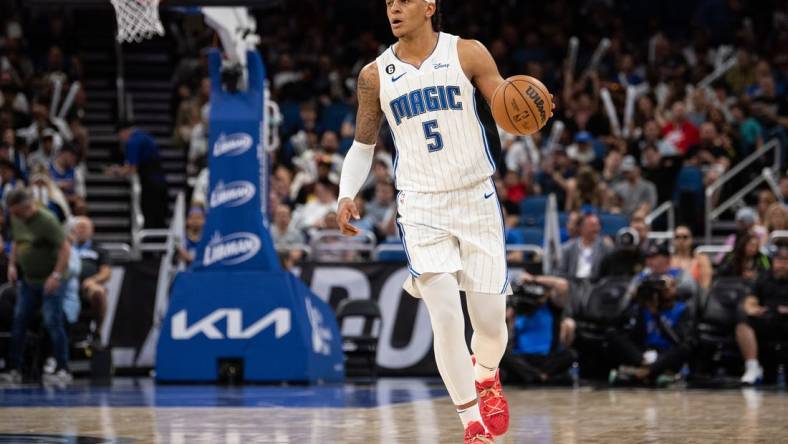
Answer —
(626, 259)
(763, 317)
(538, 341)
(654, 337)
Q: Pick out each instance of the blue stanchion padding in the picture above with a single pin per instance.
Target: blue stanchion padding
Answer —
(234, 236)
(270, 320)
(235, 302)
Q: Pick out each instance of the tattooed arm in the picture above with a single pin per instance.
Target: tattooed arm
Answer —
(358, 161)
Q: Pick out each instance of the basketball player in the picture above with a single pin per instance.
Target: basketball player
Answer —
(449, 216)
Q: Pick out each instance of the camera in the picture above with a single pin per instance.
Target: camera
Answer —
(654, 290)
(527, 297)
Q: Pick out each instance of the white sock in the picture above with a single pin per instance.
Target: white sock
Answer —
(482, 373)
(472, 413)
(752, 364)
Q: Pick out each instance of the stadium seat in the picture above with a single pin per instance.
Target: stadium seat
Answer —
(611, 223)
(562, 218)
(360, 347)
(531, 208)
(597, 309)
(525, 236)
(716, 322)
(392, 251)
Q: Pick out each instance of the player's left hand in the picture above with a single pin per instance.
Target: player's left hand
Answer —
(552, 105)
(347, 208)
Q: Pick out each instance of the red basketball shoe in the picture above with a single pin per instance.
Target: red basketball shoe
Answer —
(475, 434)
(492, 404)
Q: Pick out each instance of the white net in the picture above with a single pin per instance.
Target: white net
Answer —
(137, 19)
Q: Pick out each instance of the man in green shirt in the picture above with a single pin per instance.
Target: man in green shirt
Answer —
(39, 257)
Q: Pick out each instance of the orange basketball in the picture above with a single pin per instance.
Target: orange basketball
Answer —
(521, 105)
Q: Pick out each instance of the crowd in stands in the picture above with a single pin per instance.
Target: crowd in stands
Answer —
(679, 136)
(47, 251)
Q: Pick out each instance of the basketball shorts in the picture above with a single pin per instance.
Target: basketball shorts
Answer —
(459, 231)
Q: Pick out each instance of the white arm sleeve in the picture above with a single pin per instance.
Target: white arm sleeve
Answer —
(355, 169)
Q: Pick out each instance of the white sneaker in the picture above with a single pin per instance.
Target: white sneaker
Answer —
(752, 375)
(11, 377)
(60, 377)
(50, 365)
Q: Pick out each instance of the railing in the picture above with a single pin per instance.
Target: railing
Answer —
(766, 174)
(118, 251)
(777, 235)
(713, 249)
(666, 207)
(137, 218)
(363, 243)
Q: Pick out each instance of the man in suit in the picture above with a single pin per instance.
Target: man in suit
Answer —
(582, 256)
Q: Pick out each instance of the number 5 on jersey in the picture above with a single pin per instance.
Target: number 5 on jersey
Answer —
(431, 132)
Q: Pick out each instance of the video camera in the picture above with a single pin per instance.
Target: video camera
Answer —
(654, 290)
(527, 297)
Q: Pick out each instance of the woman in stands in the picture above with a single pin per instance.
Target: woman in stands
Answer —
(746, 260)
(698, 265)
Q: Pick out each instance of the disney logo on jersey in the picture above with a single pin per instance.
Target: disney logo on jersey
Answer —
(232, 249)
(233, 194)
(440, 65)
(420, 101)
(233, 144)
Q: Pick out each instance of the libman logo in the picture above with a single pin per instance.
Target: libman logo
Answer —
(233, 144)
(232, 249)
(233, 194)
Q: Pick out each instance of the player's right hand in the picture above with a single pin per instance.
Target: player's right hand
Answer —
(347, 209)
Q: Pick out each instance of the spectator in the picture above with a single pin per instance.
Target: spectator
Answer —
(381, 172)
(284, 234)
(553, 178)
(654, 337)
(765, 200)
(679, 131)
(583, 255)
(763, 317)
(746, 222)
(537, 351)
(48, 194)
(313, 213)
(582, 150)
(659, 170)
(784, 189)
(658, 266)
(746, 260)
(9, 177)
(776, 217)
(195, 221)
(65, 174)
(377, 209)
(142, 158)
(698, 265)
(96, 271)
(39, 257)
(637, 194)
(48, 147)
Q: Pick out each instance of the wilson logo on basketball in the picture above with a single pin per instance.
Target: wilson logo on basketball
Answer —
(532, 93)
(232, 144)
(231, 250)
(233, 194)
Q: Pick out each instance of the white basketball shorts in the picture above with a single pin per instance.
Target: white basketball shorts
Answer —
(459, 231)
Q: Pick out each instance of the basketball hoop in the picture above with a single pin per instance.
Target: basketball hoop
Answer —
(138, 20)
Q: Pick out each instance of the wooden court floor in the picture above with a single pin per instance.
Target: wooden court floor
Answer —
(398, 411)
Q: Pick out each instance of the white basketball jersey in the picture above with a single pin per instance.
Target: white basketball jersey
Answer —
(431, 110)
